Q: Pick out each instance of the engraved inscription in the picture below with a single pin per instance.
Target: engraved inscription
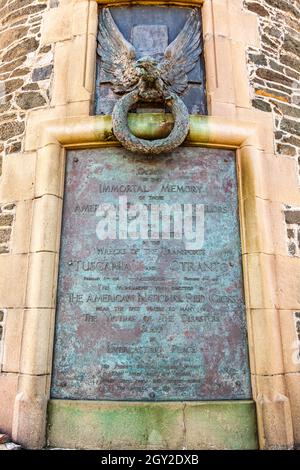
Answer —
(148, 319)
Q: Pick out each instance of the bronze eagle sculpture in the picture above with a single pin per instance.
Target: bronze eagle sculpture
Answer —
(154, 79)
(148, 79)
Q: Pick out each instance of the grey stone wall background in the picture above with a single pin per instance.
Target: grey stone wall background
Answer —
(25, 68)
(275, 69)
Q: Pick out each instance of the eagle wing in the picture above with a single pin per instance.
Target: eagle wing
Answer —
(117, 55)
(181, 55)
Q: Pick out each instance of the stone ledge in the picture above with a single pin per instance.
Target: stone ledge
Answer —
(163, 425)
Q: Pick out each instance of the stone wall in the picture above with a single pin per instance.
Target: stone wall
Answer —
(25, 68)
(25, 82)
(275, 69)
(7, 216)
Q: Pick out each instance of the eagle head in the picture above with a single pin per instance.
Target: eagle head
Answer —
(147, 68)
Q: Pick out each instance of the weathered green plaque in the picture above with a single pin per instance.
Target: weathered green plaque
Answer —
(150, 295)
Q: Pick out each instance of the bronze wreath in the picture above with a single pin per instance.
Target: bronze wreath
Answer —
(135, 144)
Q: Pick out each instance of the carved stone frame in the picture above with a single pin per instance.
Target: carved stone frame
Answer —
(252, 137)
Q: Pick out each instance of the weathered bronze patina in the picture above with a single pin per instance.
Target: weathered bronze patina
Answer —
(136, 144)
(149, 80)
(145, 318)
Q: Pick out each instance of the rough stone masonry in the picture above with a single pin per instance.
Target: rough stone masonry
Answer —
(25, 68)
(275, 69)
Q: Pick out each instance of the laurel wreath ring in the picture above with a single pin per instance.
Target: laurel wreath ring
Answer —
(151, 147)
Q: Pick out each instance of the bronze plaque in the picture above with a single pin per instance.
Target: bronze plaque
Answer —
(150, 296)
